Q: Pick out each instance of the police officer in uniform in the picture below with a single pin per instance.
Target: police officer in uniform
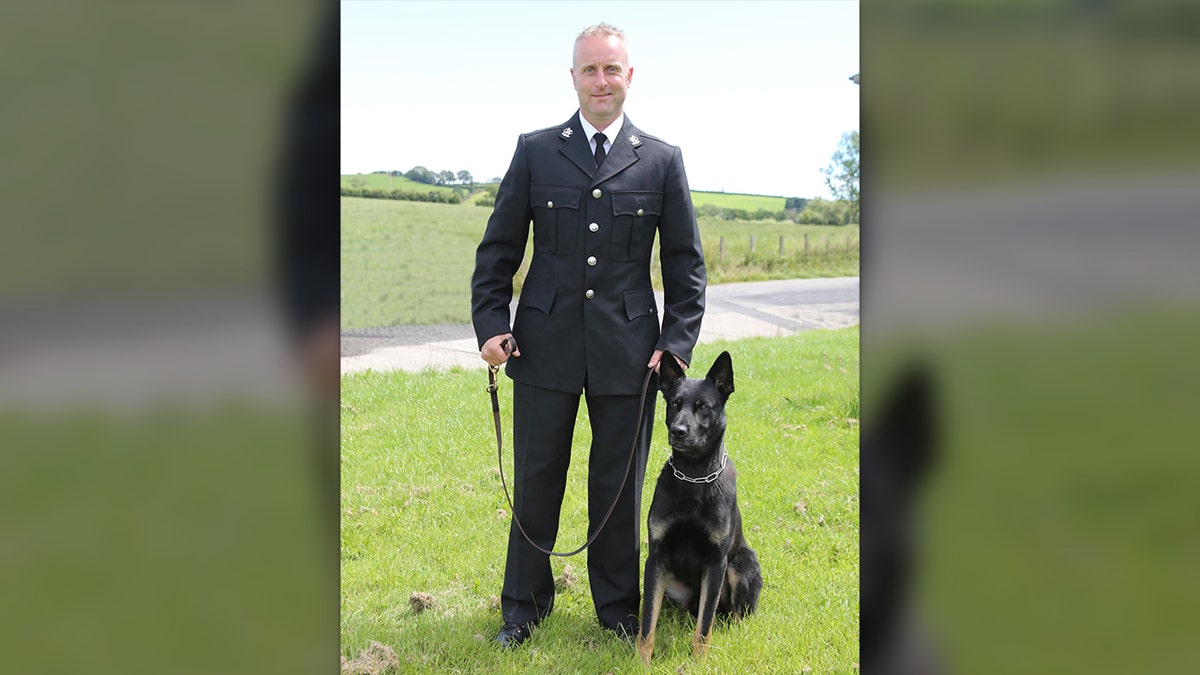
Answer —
(586, 324)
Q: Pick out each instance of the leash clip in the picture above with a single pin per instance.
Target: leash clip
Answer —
(508, 346)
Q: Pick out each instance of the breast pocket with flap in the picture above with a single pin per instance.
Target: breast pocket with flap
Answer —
(635, 219)
(555, 218)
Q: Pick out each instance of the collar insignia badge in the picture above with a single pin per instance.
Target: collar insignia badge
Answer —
(635, 141)
(566, 133)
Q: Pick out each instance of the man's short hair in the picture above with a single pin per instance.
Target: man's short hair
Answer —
(600, 30)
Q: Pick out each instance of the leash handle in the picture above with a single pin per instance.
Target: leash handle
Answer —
(637, 432)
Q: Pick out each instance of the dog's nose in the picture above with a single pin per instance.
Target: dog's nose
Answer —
(678, 432)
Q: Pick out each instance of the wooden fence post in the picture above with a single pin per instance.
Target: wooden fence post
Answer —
(781, 244)
(805, 245)
(752, 238)
(827, 238)
(722, 249)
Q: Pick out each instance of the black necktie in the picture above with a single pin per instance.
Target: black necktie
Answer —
(599, 149)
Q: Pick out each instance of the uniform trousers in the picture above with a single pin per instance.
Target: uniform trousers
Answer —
(543, 426)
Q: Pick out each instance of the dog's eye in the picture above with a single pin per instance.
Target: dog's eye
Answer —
(704, 407)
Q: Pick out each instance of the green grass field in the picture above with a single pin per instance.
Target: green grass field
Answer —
(411, 262)
(379, 181)
(423, 511)
(407, 262)
(749, 203)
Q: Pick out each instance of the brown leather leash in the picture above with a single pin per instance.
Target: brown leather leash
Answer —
(492, 388)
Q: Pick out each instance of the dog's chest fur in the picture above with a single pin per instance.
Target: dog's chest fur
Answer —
(689, 526)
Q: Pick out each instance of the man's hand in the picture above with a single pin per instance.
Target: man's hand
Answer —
(494, 353)
(656, 357)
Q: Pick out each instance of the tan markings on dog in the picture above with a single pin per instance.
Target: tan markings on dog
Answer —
(700, 640)
(645, 647)
(676, 589)
(732, 576)
(716, 536)
(658, 528)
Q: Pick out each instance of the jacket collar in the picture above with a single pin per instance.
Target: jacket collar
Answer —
(576, 147)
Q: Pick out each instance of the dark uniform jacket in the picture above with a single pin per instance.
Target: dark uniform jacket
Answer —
(587, 309)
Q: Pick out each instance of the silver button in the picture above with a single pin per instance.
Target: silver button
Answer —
(641, 212)
(596, 193)
(550, 205)
(589, 294)
(591, 261)
(594, 227)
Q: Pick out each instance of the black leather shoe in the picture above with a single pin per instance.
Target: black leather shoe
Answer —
(626, 630)
(513, 634)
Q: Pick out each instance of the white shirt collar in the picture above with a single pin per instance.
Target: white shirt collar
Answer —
(610, 133)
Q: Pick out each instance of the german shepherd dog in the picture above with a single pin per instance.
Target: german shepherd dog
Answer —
(698, 556)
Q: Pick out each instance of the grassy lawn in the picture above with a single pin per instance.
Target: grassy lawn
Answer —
(411, 262)
(423, 511)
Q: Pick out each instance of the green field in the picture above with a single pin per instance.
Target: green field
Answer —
(411, 262)
(423, 512)
(379, 181)
(724, 200)
(749, 203)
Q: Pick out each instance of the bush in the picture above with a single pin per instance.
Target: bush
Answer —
(402, 195)
(820, 211)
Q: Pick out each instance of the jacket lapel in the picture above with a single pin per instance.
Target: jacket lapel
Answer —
(624, 152)
(575, 146)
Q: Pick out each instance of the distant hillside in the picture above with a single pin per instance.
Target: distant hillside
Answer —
(728, 200)
(379, 181)
(724, 200)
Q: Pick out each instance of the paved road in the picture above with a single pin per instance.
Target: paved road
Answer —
(734, 311)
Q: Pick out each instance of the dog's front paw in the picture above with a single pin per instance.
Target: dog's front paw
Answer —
(699, 647)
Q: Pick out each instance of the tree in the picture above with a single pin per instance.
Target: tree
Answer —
(464, 176)
(420, 174)
(794, 204)
(841, 176)
(445, 177)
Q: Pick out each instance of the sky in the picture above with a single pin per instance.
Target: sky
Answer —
(756, 94)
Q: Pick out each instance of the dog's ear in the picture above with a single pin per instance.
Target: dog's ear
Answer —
(721, 374)
(668, 371)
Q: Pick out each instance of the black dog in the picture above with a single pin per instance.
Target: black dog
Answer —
(698, 555)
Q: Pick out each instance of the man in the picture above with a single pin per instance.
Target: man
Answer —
(586, 323)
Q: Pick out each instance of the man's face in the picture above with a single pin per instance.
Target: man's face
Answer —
(601, 74)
